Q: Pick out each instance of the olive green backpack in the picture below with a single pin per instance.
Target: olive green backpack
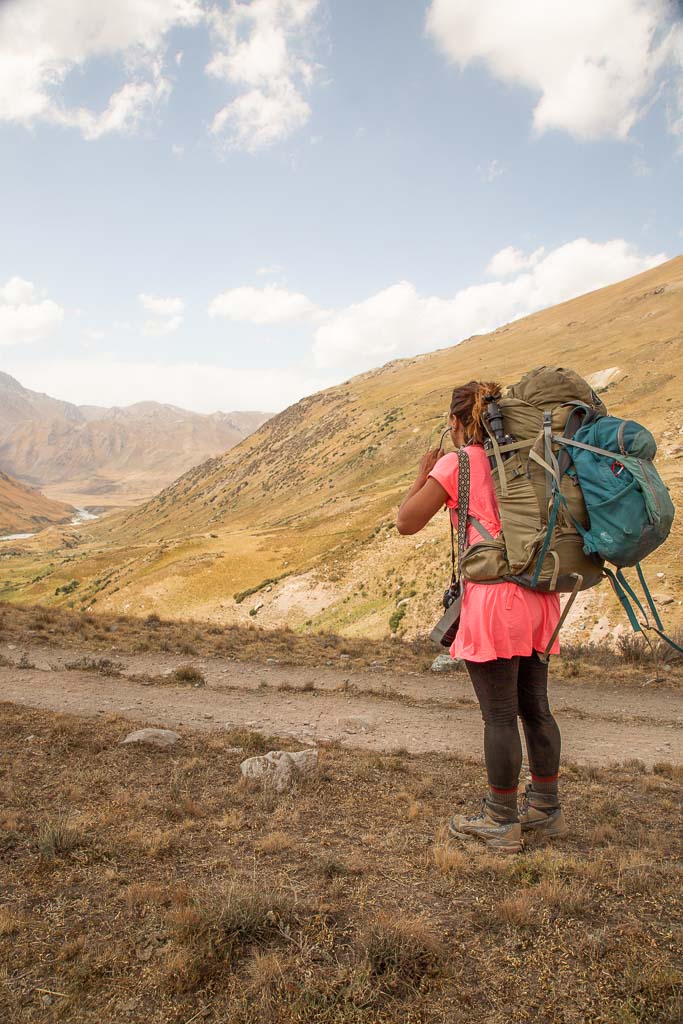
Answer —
(546, 542)
(539, 406)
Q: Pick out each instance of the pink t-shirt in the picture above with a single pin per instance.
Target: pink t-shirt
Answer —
(500, 620)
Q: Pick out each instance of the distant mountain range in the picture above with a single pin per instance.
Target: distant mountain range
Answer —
(88, 455)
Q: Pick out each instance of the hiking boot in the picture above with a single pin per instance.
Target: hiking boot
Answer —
(496, 826)
(541, 812)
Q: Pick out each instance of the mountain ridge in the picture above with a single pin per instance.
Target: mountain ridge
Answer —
(109, 455)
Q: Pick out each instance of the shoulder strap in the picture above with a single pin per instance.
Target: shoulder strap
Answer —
(463, 502)
(464, 518)
(463, 505)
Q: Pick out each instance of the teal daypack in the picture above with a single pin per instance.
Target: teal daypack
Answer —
(629, 508)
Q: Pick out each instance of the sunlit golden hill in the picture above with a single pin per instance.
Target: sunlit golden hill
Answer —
(25, 510)
(300, 514)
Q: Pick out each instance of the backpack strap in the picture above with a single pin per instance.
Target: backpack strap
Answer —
(560, 623)
(621, 588)
(481, 528)
(648, 596)
(588, 447)
(550, 458)
(464, 518)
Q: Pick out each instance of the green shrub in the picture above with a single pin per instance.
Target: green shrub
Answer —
(395, 619)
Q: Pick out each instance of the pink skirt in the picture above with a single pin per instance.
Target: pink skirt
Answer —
(504, 620)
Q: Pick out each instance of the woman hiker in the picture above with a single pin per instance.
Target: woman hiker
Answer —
(502, 628)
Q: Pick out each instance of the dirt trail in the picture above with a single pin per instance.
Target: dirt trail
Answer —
(372, 709)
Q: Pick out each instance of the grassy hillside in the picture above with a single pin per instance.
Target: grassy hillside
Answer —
(301, 512)
(24, 510)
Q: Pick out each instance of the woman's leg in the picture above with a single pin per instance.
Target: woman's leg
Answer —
(495, 684)
(541, 811)
(498, 824)
(540, 728)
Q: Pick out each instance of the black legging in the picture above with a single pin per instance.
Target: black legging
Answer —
(506, 688)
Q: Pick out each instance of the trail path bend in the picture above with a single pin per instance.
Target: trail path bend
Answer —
(372, 709)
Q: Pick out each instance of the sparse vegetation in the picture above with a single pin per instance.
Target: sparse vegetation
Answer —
(396, 618)
(68, 588)
(326, 907)
(103, 666)
(242, 594)
(189, 674)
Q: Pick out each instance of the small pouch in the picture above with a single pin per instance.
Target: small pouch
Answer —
(485, 560)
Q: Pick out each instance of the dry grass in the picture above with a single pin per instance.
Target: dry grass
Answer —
(94, 633)
(331, 906)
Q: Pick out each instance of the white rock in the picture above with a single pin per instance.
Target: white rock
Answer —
(280, 769)
(153, 737)
(444, 663)
(663, 598)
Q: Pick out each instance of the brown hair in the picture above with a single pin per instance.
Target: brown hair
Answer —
(468, 403)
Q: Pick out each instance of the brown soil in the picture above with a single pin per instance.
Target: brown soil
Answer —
(364, 708)
(156, 887)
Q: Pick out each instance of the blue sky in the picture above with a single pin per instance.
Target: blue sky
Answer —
(231, 205)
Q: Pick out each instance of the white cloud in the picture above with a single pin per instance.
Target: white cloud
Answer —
(399, 322)
(595, 66)
(161, 307)
(269, 305)
(260, 51)
(510, 261)
(157, 328)
(168, 314)
(202, 387)
(24, 316)
(42, 43)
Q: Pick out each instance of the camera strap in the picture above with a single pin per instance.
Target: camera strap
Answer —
(463, 507)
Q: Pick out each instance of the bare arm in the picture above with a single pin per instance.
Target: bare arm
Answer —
(424, 499)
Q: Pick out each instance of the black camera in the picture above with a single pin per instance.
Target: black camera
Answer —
(451, 594)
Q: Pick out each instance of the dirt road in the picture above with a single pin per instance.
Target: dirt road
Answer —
(361, 708)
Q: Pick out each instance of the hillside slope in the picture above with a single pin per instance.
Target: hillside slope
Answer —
(301, 512)
(92, 455)
(24, 510)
